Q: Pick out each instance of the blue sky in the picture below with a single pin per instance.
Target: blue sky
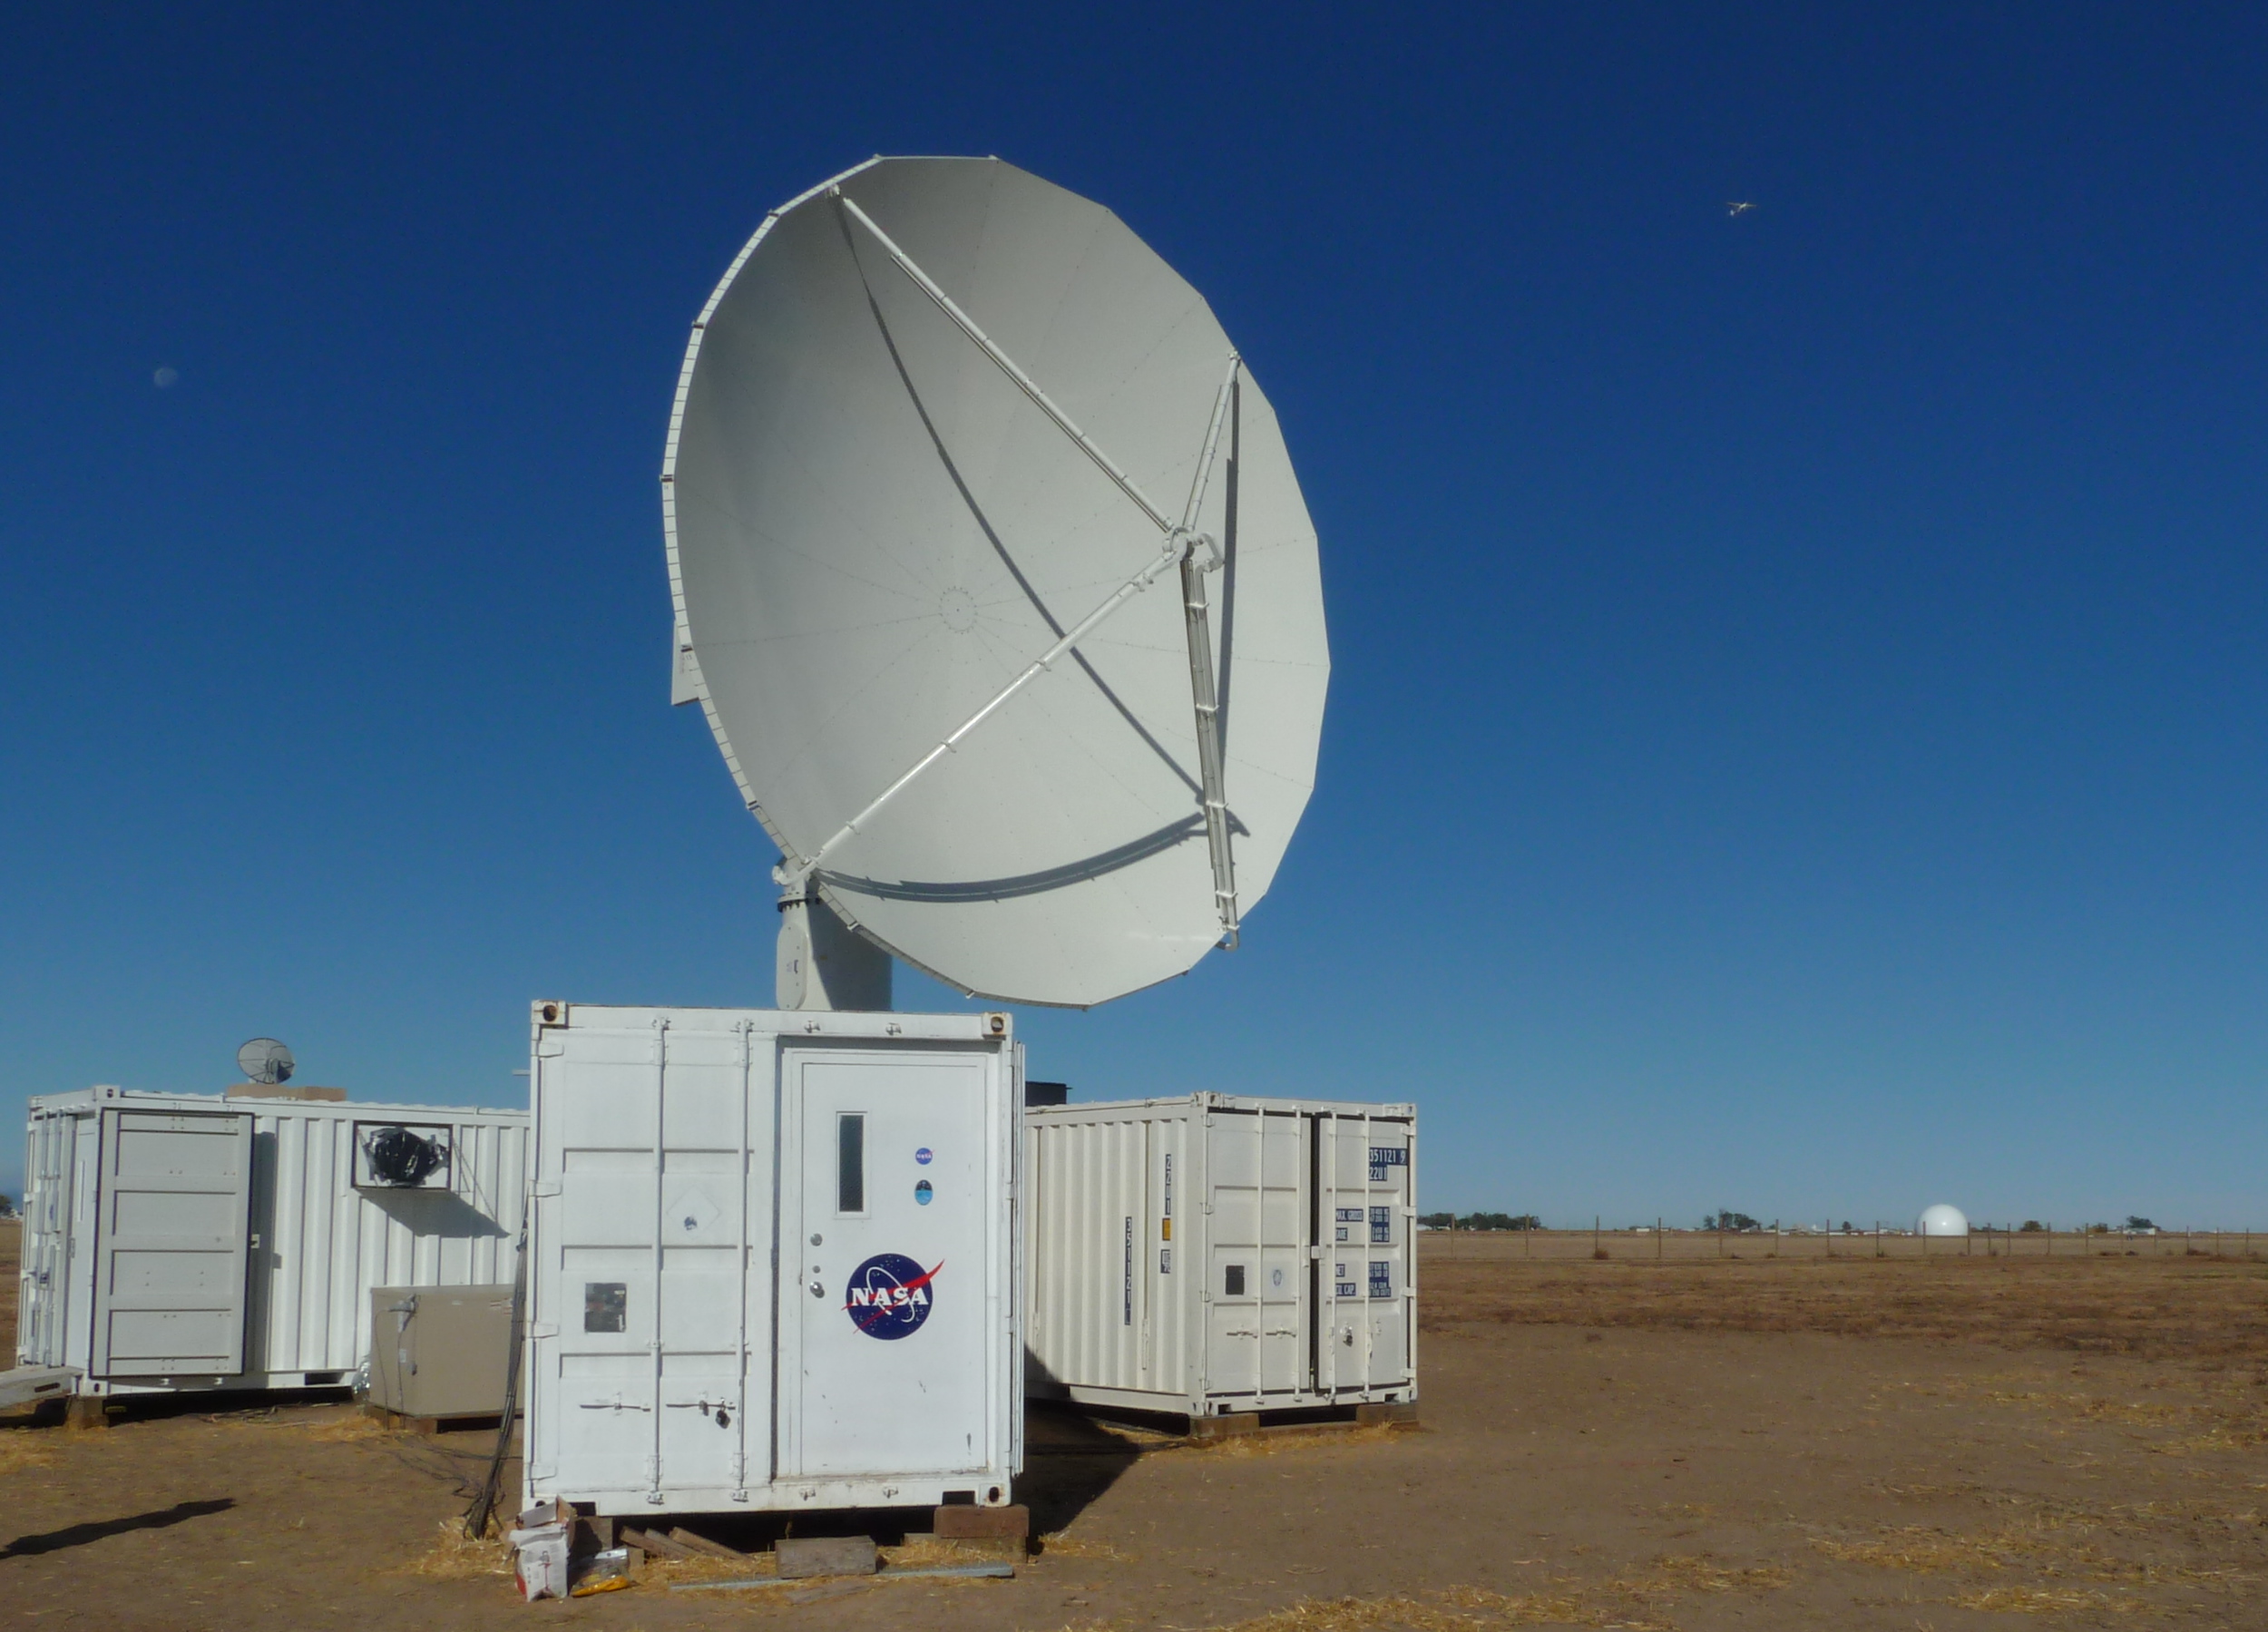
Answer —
(1797, 722)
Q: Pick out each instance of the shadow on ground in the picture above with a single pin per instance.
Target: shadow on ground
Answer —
(79, 1535)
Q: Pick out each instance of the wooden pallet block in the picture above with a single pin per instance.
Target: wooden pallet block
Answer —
(652, 1543)
(694, 1542)
(801, 1558)
(86, 1411)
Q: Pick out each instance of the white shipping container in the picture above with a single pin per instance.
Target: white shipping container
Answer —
(198, 1241)
(1213, 1254)
(773, 1260)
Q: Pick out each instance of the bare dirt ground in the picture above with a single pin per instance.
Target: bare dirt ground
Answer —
(1965, 1442)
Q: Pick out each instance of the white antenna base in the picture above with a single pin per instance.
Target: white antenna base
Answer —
(824, 964)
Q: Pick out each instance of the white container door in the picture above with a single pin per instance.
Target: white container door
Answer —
(652, 1233)
(1364, 1214)
(42, 1305)
(171, 1242)
(1256, 1307)
(887, 1308)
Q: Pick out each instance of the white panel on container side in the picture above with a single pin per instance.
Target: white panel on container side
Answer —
(45, 1295)
(1366, 1339)
(705, 1233)
(601, 1120)
(1257, 1338)
(169, 1283)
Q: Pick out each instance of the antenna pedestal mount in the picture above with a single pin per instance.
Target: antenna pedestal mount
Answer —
(823, 964)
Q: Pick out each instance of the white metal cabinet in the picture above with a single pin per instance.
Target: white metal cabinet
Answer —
(773, 1260)
(1215, 1253)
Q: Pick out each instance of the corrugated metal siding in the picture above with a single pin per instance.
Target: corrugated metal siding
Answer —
(1243, 1194)
(43, 1290)
(332, 1243)
(1109, 1306)
(323, 1243)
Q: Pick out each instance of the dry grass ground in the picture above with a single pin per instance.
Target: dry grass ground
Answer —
(1972, 1442)
(2085, 1296)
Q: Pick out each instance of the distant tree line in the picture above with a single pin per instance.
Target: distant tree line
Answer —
(1725, 1218)
(2136, 1225)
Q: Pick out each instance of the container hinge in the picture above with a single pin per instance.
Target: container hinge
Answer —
(538, 1471)
(1314, 1253)
(542, 1328)
(543, 1189)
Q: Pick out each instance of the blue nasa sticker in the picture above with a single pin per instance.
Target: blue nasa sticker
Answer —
(922, 1156)
(889, 1295)
(922, 1194)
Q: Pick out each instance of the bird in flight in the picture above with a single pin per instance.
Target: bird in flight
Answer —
(1741, 207)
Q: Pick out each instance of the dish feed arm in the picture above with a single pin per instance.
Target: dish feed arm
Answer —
(1198, 621)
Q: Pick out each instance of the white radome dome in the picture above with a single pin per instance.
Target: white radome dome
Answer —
(1943, 1220)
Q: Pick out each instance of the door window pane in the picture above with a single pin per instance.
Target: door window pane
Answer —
(605, 1305)
(850, 1164)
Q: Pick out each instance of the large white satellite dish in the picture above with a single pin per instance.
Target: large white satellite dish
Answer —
(994, 579)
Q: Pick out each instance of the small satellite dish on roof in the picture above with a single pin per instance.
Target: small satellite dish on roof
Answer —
(939, 430)
(266, 1062)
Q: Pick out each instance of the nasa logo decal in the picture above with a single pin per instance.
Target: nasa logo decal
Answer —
(889, 1295)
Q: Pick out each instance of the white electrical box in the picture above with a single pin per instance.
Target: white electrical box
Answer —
(1213, 1254)
(773, 1260)
(187, 1241)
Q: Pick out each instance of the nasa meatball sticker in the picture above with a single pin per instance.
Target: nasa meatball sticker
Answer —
(889, 1295)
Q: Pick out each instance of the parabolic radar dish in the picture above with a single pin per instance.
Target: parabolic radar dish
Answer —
(993, 578)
